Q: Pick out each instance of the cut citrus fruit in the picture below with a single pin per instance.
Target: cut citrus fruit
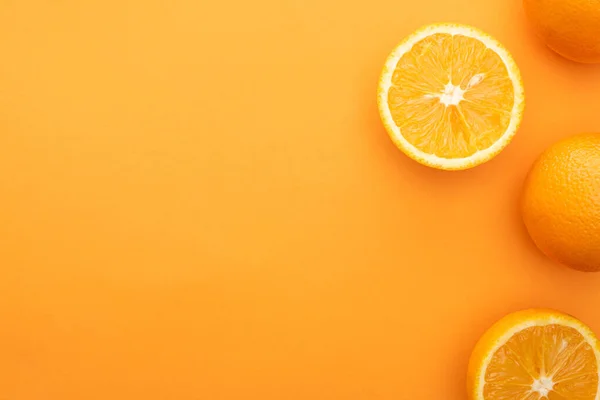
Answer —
(535, 354)
(450, 96)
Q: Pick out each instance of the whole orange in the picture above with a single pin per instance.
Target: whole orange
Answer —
(569, 27)
(561, 202)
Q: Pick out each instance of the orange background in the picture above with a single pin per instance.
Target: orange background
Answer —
(198, 201)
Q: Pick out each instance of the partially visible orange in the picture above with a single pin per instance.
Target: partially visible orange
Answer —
(450, 96)
(569, 27)
(533, 355)
(561, 202)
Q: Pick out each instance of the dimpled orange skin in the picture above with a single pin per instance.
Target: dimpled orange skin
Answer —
(561, 202)
(569, 27)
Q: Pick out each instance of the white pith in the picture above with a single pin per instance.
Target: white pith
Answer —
(453, 95)
(544, 384)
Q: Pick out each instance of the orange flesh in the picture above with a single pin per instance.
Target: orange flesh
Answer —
(549, 362)
(420, 80)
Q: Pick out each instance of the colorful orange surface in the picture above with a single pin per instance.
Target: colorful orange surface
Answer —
(198, 201)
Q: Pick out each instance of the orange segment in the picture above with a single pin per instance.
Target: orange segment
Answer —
(450, 96)
(535, 354)
(543, 359)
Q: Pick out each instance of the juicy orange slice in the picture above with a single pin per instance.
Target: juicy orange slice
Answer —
(535, 354)
(450, 96)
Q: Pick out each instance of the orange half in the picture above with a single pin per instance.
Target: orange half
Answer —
(533, 355)
(450, 96)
